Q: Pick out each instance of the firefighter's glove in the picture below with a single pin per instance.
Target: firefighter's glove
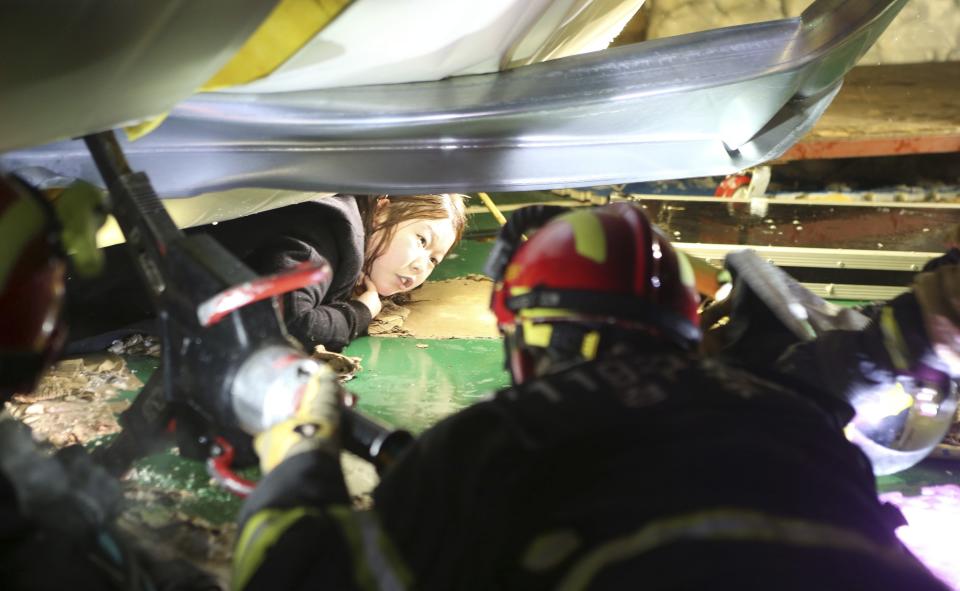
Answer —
(314, 425)
(938, 296)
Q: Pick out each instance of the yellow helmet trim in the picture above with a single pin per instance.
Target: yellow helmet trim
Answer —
(588, 348)
(536, 335)
(588, 238)
(541, 313)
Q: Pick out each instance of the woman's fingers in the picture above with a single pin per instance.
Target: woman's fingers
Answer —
(366, 283)
(370, 296)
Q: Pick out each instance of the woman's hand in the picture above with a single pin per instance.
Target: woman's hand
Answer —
(370, 298)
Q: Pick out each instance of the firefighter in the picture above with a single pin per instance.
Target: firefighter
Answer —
(620, 457)
(56, 508)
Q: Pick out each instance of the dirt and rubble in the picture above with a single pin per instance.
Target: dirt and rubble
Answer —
(136, 344)
(77, 400)
(389, 322)
(345, 366)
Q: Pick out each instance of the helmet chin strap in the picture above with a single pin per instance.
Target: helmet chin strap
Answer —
(521, 365)
(525, 361)
(625, 307)
(517, 360)
(571, 343)
(511, 235)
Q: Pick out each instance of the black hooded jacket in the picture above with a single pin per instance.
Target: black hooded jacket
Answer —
(116, 304)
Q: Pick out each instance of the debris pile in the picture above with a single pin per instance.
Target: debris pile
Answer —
(136, 344)
(345, 366)
(77, 400)
(389, 322)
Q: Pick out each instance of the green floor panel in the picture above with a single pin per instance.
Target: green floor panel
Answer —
(203, 498)
(412, 383)
(926, 473)
(141, 366)
(468, 258)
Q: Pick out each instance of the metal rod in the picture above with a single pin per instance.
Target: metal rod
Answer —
(492, 207)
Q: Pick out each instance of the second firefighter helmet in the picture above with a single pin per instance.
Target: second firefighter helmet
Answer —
(585, 276)
(37, 238)
(32, 275)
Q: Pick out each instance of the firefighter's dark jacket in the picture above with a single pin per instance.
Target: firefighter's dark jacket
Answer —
(328, 229)
(653, 471)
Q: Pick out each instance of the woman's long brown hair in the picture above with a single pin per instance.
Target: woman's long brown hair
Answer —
(402, 209)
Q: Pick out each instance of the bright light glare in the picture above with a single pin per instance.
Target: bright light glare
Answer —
(934, 520)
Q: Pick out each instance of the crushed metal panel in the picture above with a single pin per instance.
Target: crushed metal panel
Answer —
(695, 105)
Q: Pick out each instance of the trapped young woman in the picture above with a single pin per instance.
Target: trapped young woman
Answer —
(376, 246)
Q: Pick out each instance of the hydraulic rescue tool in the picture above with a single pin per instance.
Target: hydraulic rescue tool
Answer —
(228, 368)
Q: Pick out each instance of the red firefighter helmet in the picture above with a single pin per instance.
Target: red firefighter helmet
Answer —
(32, 270)
(584, 274)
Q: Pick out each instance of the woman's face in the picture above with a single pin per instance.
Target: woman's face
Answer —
(416, 248)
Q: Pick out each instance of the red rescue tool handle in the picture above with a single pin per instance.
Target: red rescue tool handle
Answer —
(219, 306)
